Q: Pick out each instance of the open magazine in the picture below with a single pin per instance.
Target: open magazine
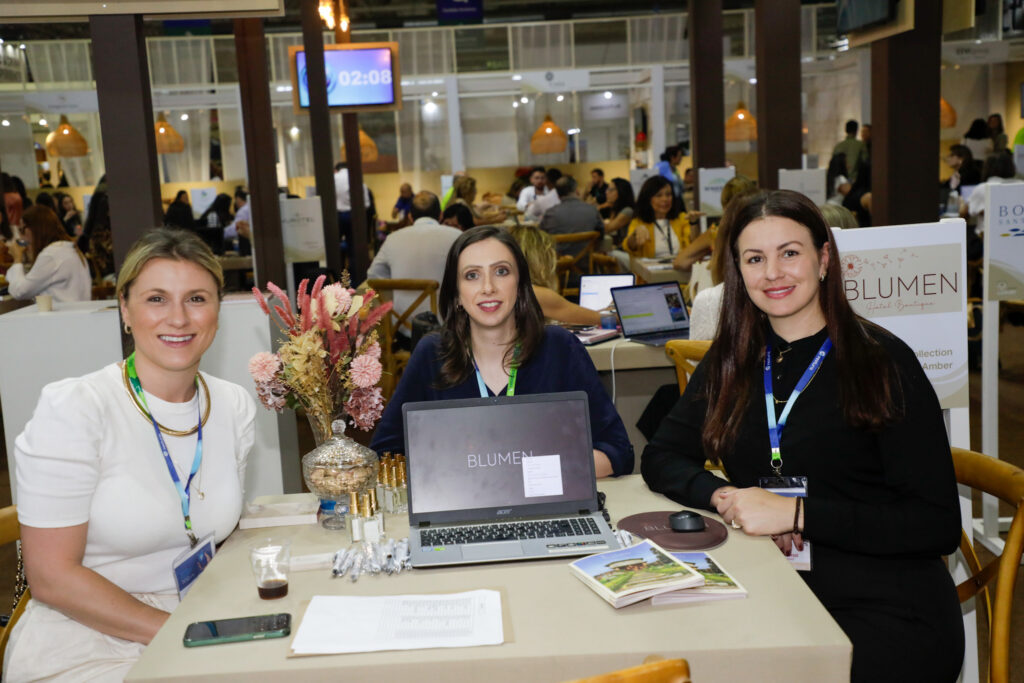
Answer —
(632, 574)
(718, 583)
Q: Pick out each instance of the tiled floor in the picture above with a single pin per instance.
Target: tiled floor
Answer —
(1011, 448)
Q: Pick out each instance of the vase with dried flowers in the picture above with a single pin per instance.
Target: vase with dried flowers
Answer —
(330, 366)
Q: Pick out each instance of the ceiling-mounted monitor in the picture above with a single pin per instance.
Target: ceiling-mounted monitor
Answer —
(855, 15)
(361, 77)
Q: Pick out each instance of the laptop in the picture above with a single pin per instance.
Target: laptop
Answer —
(502, 478)
(652, 314)
(596, 290)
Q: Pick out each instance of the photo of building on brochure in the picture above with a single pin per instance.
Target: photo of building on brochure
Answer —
(635, 568)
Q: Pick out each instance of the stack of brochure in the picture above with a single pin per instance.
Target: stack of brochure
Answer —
(718, 583)
(280, 510)
(632, 574)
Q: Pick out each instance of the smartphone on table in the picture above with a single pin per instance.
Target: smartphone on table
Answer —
(236, 630)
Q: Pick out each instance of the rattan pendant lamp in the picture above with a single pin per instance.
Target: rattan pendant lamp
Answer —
(947, 115)
(741, 126)
(65, 141)
(168, 140)
(548, 138)
(367, 148)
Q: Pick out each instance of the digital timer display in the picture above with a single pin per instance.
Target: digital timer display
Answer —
(355, 77)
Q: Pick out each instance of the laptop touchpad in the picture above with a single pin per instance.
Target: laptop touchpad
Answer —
(491, 551)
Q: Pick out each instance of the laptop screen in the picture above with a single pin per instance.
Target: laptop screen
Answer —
(497, 454)
(596, 290)
(646, 309)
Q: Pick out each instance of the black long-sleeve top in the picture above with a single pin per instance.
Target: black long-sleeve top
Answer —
(882, 508)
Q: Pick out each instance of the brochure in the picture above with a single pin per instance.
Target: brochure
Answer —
(281, 510)
(632, 574)
(718, 583)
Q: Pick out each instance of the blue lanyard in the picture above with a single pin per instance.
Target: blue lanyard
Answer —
(775, 429)
(513, 371)
(183, 491)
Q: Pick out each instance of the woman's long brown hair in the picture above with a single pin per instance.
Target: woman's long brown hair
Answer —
(46, 229)
(869, 387)
(455, 351)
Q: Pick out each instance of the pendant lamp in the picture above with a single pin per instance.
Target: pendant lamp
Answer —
(947, 115)
(168, 140)
(367, 148)
(548, 138)
(741, 126)
(65, 141)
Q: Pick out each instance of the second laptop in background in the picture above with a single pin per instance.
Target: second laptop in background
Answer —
(596, 290)
(652, 314)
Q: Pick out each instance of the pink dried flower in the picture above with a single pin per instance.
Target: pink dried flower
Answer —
(338, 299)
(264, 366)
(273, 394)
(373, 350)
(365, 371)
(365, 407)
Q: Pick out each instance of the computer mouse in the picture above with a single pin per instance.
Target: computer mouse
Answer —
(686, 520)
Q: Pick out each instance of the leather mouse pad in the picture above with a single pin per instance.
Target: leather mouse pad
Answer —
(654, 526)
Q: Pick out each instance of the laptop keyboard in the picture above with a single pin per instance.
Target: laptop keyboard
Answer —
(508, 531)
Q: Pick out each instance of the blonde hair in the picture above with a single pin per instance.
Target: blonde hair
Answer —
(838, 217)
(539, 249)
(168, 243)
(738, 186)
(465, 188)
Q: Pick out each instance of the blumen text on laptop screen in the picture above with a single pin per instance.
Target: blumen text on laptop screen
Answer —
(499, 455)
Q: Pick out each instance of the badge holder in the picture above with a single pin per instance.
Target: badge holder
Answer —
(790, 487)
(187, 566)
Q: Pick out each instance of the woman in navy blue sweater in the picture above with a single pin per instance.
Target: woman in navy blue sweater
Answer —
(494, 343)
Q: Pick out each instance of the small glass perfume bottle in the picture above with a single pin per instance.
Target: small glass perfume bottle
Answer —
(392, 502)
(371, 526)
(356, 522)
(376, 511)
(382, 479)
(401, 489)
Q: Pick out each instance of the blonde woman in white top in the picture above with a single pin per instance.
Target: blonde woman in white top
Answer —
(58, 268)
(98, 467)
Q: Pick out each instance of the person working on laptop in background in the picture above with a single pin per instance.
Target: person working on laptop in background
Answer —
(660, 230)
(494, 343)
(866, 445)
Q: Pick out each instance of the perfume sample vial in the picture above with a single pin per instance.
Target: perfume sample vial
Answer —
(382, 479)
(356, 523)
(401, 488)
(371, 526)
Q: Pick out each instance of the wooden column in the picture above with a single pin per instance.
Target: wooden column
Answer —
(905, 90)
(258, 132)
(707, 92)
(360, 261)
(320, 128)
(126, 125)
(779, 134)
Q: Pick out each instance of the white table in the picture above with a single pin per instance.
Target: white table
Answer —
(556, 628)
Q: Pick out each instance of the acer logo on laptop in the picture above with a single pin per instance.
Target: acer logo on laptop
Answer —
(506, 511)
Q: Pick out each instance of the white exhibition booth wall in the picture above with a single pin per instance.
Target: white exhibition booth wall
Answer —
(79, 338)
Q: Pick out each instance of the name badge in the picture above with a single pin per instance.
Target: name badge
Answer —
(187, 566)
(791, 487)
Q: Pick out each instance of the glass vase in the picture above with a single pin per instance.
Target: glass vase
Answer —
(336, 467)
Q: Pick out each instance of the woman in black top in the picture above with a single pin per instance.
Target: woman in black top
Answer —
(881, 507)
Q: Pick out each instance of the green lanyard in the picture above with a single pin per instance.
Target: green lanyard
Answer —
(513, 371)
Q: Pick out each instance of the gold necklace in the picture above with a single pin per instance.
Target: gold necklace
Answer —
(145, 413)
